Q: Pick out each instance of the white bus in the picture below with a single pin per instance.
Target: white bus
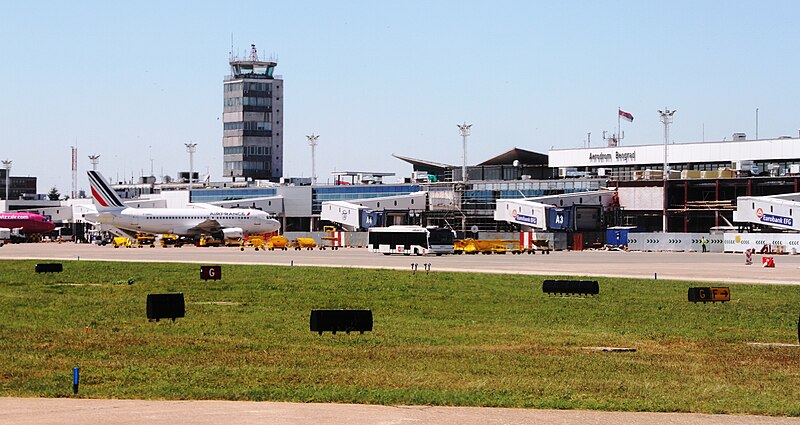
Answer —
(409, 240)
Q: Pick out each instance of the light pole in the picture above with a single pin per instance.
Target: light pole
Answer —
(756, 123)
(666, 119)
(94, 159)
(191, 148)
(464, 130)
(7, 166)
(312, 141)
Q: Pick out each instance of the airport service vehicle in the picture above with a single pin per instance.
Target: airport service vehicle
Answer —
(192, 222)
(27, 223)
(9, 236)
(500, 246)
(121, 241)
(143, 239)
(304, 243)
(409, 240)
(208, 240)
(169, 239)
(278, 242)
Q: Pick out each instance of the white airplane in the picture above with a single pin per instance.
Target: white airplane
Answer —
(202, 218)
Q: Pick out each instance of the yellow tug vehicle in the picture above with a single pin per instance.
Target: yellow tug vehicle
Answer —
(256, 241)
(143, 239)
(121, 241)
(278, 242)
(208, 240)
(304, 243)
(169, 239)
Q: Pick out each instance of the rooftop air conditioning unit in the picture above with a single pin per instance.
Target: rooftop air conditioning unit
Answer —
(739, 136)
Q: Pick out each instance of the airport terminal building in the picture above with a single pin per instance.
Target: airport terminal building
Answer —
(699, 193)
(702, 184)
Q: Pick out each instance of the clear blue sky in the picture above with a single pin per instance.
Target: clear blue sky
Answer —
(373, 78)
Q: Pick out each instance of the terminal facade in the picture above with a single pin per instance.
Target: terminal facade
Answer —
(699, 193)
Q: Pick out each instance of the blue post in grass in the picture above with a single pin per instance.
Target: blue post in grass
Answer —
(75, 379)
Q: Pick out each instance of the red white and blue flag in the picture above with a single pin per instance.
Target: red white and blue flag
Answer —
(627, 116)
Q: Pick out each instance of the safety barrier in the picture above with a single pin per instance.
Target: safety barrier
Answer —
(775, 243)
(675, 242)
(767, 243)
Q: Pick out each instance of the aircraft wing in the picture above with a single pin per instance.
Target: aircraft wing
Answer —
(203, 206)
(208, 226)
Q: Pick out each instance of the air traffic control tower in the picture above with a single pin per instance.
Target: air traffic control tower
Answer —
(252, 119)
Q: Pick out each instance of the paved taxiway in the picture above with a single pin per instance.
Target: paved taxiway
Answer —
(24, 411)
(709, 267)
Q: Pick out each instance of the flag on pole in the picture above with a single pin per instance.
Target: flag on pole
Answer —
(627, 116)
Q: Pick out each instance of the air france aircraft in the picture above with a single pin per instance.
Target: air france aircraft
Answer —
(204, 218)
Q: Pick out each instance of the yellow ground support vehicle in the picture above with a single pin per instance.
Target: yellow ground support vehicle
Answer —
(499, 246)
(236, 242)
(304, 243)
(208, 240)
(143, 239)
(278, 242)
(486, 246)
(332, 240)
(256, 242)
(170, 239)
(542, 245)
(121, 241)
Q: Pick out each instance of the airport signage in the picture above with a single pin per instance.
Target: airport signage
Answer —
(49, 268)
(341, 321)
(165, 306)
(617, 156)
(566, 287)
(210, 272)
(712, 294)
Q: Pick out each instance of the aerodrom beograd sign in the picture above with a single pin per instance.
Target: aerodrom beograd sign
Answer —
(678, 153)
(616, 157)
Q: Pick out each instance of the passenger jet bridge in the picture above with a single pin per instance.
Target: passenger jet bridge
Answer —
(773, 211)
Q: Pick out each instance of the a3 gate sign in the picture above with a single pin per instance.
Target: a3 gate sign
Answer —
(211, 272)
(712, 294)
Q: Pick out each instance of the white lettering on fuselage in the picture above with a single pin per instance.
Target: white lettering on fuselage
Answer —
(15, 217)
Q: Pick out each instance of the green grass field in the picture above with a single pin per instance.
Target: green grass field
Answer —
(439, 339)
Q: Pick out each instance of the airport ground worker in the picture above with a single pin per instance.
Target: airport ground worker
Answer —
(704, 243)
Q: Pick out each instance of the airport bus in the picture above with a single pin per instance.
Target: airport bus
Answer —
(408, 240)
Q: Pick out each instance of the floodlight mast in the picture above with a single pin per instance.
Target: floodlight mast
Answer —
(666, 119)
(94, 159)
(191, 148)
(312, 141)
(464, 130)
(7, 166)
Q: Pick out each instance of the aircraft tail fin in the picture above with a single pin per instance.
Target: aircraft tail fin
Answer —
(103, 195)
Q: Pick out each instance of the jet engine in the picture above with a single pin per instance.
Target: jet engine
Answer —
(233, 233)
